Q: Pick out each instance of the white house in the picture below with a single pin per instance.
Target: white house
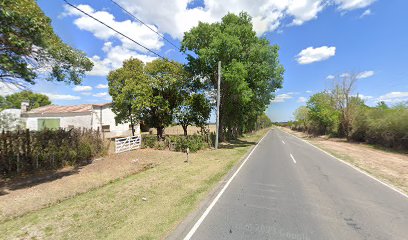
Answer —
(10, 119)
(90, 116)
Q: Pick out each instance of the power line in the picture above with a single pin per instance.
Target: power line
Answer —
(130, 14)
(123, 35)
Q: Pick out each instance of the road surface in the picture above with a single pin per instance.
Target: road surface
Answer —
(288, 189)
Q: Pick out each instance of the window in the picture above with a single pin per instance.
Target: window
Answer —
(48, 123)
(105, 128)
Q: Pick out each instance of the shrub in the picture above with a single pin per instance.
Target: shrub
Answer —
(24, 151)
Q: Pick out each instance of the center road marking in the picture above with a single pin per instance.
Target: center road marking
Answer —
(292, 158)
(283, 142)
(207, 211)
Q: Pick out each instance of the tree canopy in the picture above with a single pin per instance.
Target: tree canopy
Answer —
(35, 100)
(150, 92)
(251, 71)
(29, 48)
(129, 89)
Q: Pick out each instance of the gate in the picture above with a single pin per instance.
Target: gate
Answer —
(127, 143)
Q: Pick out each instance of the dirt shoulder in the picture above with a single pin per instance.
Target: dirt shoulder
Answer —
(388, 166)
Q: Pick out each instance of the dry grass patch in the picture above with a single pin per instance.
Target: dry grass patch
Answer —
(391, 167)
(147, 205)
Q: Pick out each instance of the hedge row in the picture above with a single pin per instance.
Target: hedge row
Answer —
(179, 143)
(25, 151)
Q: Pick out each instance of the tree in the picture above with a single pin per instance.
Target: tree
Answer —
(382, 105)
(345, 102)
(29, 47)
(130, 91)
(35, 99)
(302, 116)
(195, 109)
(250, 69)
(167, 82)
(323, 115)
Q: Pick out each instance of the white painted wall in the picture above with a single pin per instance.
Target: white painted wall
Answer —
(78, 121)
(108, 118)
(87, 120)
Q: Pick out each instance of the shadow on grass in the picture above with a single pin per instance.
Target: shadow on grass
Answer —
(31, 180)
(236, 144)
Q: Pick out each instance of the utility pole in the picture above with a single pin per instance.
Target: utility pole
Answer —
(218, 106)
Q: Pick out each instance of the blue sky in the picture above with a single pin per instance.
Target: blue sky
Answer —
(317, 38)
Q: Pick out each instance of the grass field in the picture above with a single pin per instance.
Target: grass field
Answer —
(145, 205)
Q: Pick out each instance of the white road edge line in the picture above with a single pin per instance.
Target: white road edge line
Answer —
(283, 142)
(352, 166)
(201, 219)
(292, 158)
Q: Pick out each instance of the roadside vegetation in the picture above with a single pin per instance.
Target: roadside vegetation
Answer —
(340, 112)
(23, 152)
(146, 205)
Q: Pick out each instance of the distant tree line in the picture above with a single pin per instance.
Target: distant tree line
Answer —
(339, 112)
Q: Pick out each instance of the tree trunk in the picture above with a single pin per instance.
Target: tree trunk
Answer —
(132, 124)
(184, 129)
(160, 131)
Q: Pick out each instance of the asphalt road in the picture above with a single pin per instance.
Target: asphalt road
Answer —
(288, 189)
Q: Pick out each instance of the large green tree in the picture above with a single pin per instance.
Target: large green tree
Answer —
(29, 48)
(167, 82)
(195, 109)
(251, 71)
(324, 118)
(130, 91)
(35, 99)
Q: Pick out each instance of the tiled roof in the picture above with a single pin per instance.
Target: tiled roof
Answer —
(66, 109)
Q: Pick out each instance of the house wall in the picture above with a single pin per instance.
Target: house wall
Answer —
(108, 118)
(78, 121)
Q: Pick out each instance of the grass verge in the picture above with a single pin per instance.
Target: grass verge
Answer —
(146, 205)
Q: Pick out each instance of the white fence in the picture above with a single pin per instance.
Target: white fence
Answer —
(127, 143)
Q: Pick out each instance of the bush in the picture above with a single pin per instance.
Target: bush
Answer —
(179, 143)
(25, 151)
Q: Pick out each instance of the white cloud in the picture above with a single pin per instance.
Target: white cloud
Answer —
(330, 77)
(364, 97)
(308, 91)
(302, 99)
(282, 97)
(311, 55)
(394, 97)
(134, 30)
(114, 59)
(66, 97)
(365, 74)
(102, 86)
(347, 5)
(175, 17)
(7, 89)
(86, 93)
(344, 75)
(101, 94)
(82, 88)
(367, 12)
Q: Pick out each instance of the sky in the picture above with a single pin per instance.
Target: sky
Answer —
(318, 39)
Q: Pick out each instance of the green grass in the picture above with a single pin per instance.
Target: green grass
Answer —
(117, 210)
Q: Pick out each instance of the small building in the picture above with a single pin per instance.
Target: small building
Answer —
(89, 116)
(10, 119)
